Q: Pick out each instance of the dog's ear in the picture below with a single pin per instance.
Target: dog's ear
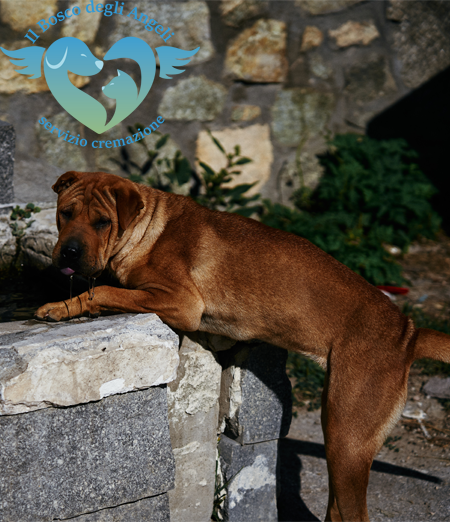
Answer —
(65, 181)
(128, 203)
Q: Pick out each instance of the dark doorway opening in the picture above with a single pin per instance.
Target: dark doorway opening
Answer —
(423, 119)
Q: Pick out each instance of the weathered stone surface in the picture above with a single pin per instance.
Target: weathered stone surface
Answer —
(57, 151)
(255, 144)
(255, 402)
(422, 39)
(60, 463)
(8, 246)
(85, 25)
(438, 387)
(39, 240)
(319, 67)
(68, 364)
(7, 145)
(234, 12)
(258, 54)
(251, 472)
(189, 22)
(319, 7)
(299, 114)
(21, 14)
(33, 180)
(195, 98)
(312, 37)
(193, 400)
(355, 33)
(152, 509)
(245, 112)
(369, 80)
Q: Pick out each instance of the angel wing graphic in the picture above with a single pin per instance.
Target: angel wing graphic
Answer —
(71, 54)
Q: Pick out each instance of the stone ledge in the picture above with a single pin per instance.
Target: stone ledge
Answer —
(44, 364)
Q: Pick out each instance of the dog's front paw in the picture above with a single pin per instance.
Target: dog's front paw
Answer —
(52, 312)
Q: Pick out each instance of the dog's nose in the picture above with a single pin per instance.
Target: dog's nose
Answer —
(71, 253)
(99, 64)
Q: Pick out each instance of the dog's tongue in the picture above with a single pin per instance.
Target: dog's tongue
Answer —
(67, 271)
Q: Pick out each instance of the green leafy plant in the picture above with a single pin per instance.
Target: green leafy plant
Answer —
(307, 377)
(372, 193)
(208, 187)
(18, 217)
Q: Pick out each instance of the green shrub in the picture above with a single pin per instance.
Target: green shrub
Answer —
(372, 193)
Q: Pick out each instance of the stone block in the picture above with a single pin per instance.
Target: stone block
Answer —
(195, 98)
(421, 39)
(85, 25)
(258, 54)
(7, 144)
(20, 16)
(255, 144)
(64, 364)
(250, 473)
(321, 7)
(193, 400)
(39, 239)
(245, 112)
(62, 462)
(152, 509)
(8, 245)
(299, 114)
(255, 402)
(235, 12)
(189, 22)
(312, 37)
(355, 33)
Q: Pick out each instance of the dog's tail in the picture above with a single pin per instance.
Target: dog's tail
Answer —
(432, 344)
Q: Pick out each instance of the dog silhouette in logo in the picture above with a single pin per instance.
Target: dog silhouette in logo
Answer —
(123, 89)
(71, 54)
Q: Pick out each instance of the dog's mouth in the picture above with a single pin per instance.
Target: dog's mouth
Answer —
(67, 271)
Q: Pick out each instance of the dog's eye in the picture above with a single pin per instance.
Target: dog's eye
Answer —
(66, 213)
(103, 222)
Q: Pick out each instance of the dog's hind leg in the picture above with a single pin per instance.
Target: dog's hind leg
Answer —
(362, 402)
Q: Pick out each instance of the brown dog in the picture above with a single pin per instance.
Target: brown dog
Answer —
(221, 273)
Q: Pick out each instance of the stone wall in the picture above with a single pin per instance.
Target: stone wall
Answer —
(117, 419)
(273, 76)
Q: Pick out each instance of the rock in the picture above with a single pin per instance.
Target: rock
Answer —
(60, 463)
(154, 509)
(106, 160)
(57, 151)
(234, 12)
(354, 33)
(421, 39)
(85, 25)
(438, 387)
(8, 245)
(258, 54)
(312, 37)
(319, 67)
(250, 472)
(255, 402)
(369, 80)
(39, 240)
(7, 145)
(193, 400)
(255, 144)
(245, 112)
(189, 22)
(315, 7)
(21, 18)
(71, 363)
(299, 114)
(28, 169)
(195, 98)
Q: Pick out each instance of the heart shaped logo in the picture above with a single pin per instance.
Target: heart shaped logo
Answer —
(70, 54)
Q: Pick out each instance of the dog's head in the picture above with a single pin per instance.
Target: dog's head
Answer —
(71, 54)
(94, 208)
